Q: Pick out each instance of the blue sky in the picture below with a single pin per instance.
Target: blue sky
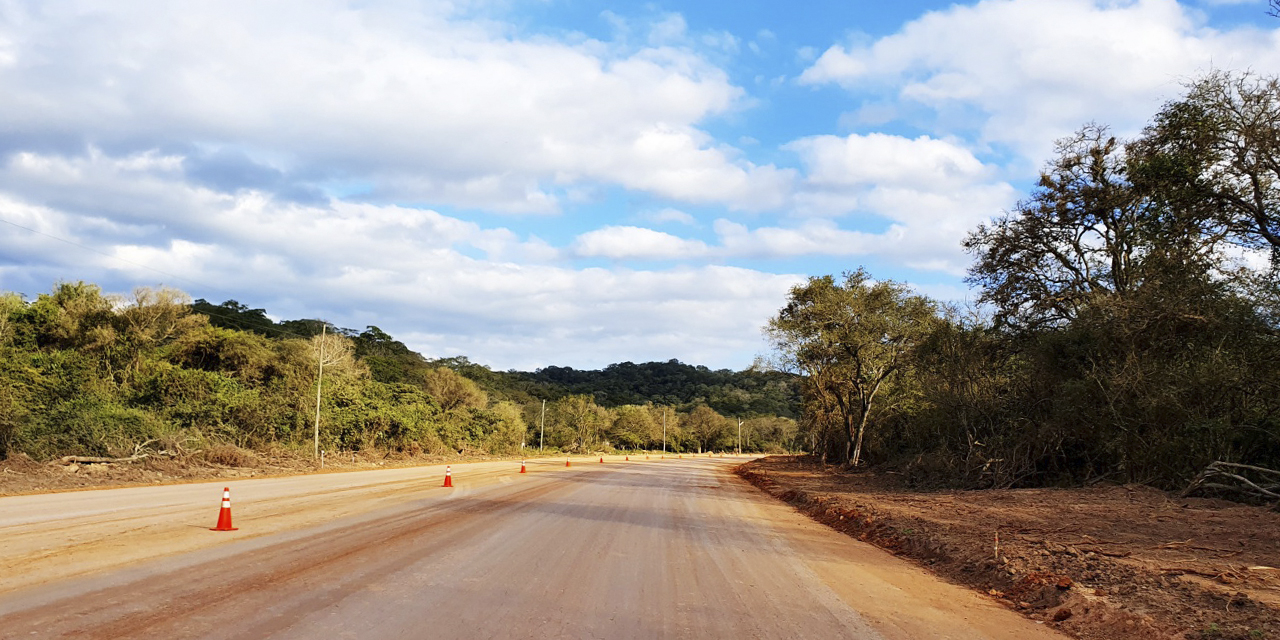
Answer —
(537, 182)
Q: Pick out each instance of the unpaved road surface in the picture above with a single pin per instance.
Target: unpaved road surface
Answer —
(641, 549)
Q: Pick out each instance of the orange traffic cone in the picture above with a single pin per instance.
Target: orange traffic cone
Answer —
(224, 516)
(627, 459)
(522, 467)
(601, 459)
(566, 462)
(448, 476)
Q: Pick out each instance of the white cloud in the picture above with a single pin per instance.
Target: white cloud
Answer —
(420, 103)
(916, 199)
(670, 29)
(444, 285)
(623, 243)
(822, 237)
(927, 193)
(670, 215)
(1025, 72)
(878, 159)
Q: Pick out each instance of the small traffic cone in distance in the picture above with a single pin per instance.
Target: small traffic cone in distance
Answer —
(627, 459)
(522, 467)
(566, 462)
(601, 459)
(448, 476)
(224, 515)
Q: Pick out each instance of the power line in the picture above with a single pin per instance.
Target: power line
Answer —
(114, 257)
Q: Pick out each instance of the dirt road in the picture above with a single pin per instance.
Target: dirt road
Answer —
(640, 549)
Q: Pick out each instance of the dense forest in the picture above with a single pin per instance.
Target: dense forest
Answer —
(83, 373)
(1127, 325)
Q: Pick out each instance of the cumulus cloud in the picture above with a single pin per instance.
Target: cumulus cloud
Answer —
(622, 242)
(418, 101)
(818, 236)
(877, 158)
(670, 215)
(443, 284)
(1024, 72)
(929, 193)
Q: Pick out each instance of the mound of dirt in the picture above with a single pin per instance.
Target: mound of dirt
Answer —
(1100, 563)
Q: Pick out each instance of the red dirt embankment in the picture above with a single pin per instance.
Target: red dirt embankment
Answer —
(1104, 563)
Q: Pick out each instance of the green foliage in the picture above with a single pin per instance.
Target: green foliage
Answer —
(672, 383)
(853, 340)
(633, 427)
(87, 426)
(1119, 339)
(453, 391)
(83, 373)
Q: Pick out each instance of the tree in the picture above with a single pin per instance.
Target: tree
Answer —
(10, 304)
(1074, 238)
(666, 424)
(632, 426)
(577, 419)
(1099, 225)
(850, 338)
(770, 434)
(154, 316)
(704, 424)
(1220, 146)
(234, 315)
(453, 391)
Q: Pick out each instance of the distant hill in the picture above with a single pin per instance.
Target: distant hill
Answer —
(731, 393)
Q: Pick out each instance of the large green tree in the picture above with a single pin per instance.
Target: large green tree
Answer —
(1218, 149)
(850, 339)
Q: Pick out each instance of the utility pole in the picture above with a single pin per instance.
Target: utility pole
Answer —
(542, 424)
(319, 380)
(664, 430)
(739, 436)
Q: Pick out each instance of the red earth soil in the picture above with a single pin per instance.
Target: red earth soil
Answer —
(1103, 563)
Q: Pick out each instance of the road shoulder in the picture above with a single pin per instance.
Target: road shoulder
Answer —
(1120, 573)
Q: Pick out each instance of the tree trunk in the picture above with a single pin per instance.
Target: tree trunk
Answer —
(857, 449)
(862, 429)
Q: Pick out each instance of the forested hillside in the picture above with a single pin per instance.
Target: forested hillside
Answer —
(83, 373)
(1127, 329)
(733, 393)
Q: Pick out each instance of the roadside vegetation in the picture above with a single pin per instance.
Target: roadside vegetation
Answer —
(1126, 326)
(91, 375)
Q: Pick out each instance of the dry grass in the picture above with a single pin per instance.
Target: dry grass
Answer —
(229, 455)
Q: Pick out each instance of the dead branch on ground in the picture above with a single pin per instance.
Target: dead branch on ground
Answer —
(140, 452)
(1231, 477)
